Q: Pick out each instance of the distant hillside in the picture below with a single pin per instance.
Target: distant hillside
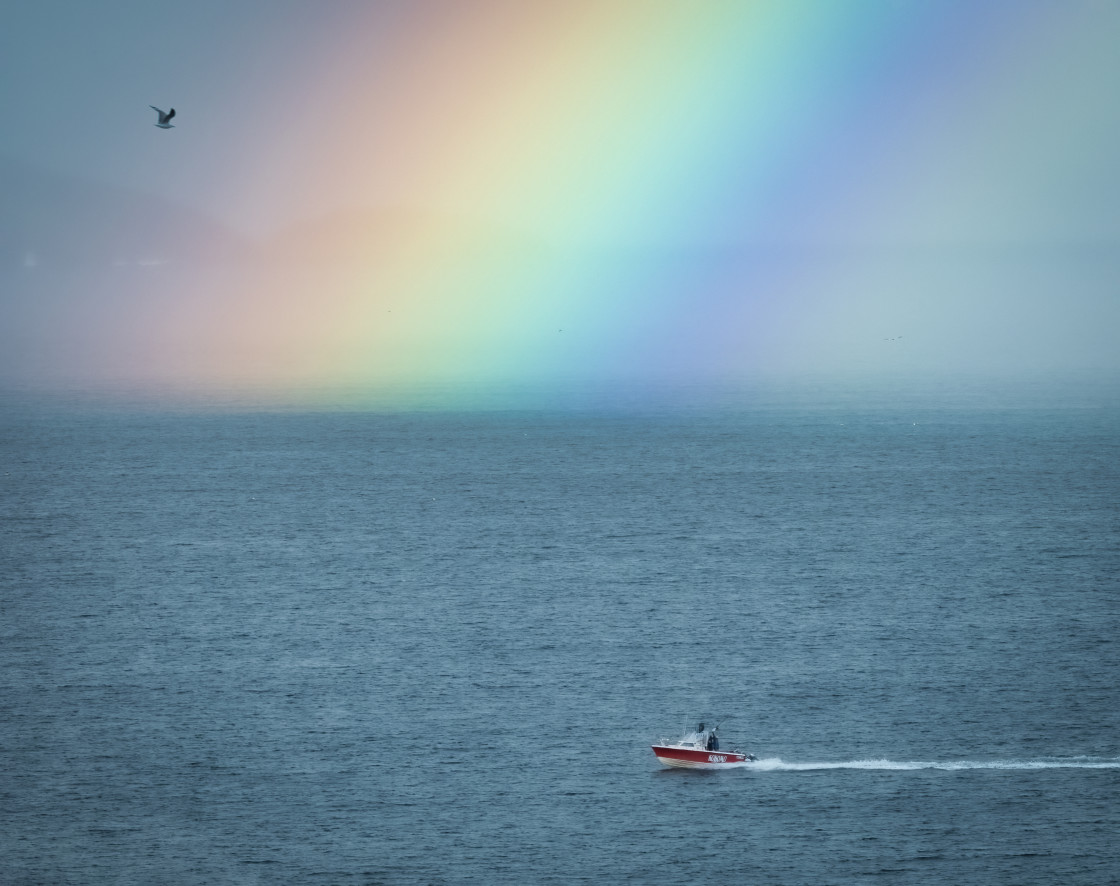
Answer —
(55, 220)
(370, 236)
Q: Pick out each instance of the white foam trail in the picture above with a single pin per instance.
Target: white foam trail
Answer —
(776, 764)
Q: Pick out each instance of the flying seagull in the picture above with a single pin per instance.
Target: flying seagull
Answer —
(164, 117)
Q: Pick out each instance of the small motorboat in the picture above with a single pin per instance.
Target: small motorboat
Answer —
(699, 750)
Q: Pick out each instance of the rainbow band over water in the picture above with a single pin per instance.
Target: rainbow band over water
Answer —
(601, 190)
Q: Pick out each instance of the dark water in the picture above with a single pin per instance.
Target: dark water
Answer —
(356, 648)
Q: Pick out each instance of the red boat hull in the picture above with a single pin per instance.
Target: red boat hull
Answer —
(693, 758)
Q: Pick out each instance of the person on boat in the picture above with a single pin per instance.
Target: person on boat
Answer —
(713, 742)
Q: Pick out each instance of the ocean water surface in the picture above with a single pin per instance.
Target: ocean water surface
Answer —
(362, 648)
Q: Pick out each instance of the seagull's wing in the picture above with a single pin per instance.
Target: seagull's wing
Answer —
(157, 110)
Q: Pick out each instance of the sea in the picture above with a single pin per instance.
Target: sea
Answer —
(361, 646)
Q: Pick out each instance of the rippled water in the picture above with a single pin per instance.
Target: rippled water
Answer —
(358, 648)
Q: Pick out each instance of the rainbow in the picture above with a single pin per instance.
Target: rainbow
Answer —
(567, 192)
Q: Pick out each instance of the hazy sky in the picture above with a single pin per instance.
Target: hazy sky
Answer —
(76, 80)
(707, 190)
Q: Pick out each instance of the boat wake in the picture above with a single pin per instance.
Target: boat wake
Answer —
(776, 764)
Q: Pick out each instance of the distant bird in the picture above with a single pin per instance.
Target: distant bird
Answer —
(164, 117)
